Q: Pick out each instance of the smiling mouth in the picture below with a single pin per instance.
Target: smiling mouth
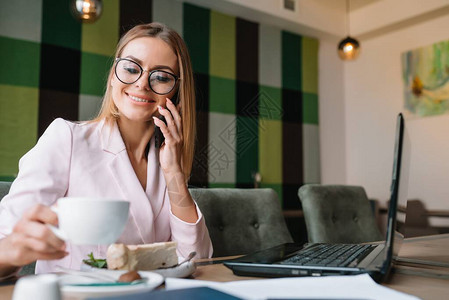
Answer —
(137, 99)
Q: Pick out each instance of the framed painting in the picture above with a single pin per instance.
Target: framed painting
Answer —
(425, 73)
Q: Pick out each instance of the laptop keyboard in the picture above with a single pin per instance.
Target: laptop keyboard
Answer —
(331, 255)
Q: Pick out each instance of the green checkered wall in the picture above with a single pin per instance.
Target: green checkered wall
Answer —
(256, 87)
(258, 104)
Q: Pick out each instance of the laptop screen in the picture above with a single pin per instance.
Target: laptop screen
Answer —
(399, 188)
(404, 180)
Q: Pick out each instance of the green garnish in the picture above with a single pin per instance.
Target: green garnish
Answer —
(97, 263)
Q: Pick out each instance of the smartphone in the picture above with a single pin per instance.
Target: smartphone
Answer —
(158, 135)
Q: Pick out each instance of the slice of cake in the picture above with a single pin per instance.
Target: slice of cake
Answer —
(142, 257)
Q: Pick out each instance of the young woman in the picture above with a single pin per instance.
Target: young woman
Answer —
(116, 155)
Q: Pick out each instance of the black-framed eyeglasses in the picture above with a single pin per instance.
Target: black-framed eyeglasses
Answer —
(128, 71)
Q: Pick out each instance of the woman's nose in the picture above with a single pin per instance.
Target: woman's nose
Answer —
(143, 81)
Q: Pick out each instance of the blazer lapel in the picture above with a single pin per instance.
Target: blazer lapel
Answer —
(125, 178)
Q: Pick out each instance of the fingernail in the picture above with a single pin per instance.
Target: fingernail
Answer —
(154, 118)
(160, 107)
(168, 99)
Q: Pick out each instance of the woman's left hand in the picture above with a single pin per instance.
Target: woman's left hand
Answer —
(171, 149)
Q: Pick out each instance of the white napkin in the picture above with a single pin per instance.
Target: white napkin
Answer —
(328, 287)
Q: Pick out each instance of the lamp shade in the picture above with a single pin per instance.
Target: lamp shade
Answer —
(348, 48)
(86, 11)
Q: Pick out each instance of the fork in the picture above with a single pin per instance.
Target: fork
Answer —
(188, 258)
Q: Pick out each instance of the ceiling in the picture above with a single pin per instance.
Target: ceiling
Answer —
(356, 4)
(327, 19)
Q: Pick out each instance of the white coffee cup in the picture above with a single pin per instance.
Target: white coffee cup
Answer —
(37, 287)
(90, 221)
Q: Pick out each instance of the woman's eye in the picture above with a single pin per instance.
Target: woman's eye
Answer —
(162, 79)
(131, 70)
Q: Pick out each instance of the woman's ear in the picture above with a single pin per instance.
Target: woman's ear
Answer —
(111, 79)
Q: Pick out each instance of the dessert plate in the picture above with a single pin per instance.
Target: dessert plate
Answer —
(79, 286)
(184, 270)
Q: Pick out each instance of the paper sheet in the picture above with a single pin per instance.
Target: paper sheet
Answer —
(328, 287)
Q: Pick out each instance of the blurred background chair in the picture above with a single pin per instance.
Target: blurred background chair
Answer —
(417, 220)
(338, 214)
(4, 190)
(241, 221)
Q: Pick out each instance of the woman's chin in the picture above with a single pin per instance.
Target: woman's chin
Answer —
(138, 118)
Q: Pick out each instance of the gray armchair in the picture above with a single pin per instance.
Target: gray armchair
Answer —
(4, 190)
(241, 221)
(338, 214)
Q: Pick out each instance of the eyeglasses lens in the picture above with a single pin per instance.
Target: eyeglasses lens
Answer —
(161, 82)
(128, 72)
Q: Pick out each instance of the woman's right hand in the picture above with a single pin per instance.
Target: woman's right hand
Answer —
(31, 239)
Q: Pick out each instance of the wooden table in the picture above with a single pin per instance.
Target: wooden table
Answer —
(419, 280)
(405, 278)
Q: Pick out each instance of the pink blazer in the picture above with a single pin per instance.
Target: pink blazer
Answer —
(90, 159)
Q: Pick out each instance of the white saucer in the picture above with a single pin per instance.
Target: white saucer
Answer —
(68, 288)
(182, 271)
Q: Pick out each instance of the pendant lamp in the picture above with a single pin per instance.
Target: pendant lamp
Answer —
(86, 11)
(348, 48)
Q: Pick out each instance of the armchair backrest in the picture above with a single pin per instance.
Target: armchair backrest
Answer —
(4, 188)
(338, 214)
(241, 221)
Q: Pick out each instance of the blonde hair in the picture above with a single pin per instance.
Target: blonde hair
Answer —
(186, 89)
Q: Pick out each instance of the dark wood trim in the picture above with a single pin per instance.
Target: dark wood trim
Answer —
(293, 213)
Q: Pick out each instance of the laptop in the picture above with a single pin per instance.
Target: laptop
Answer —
(318, 259)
